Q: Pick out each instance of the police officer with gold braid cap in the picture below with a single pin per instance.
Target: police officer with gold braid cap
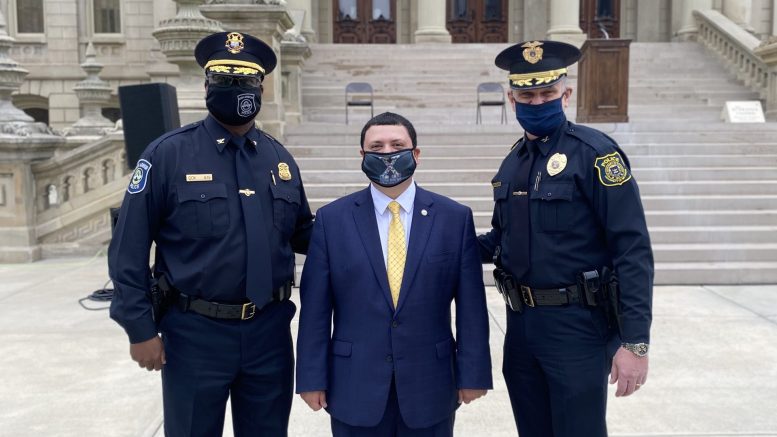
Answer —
(573, 256)
(225, 205)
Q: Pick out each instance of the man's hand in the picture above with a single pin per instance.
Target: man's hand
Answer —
(149, 354)
(467, 395)
(629, 371)
(316, 400)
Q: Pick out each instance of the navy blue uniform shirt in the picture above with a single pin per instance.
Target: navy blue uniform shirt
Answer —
(184, 197)
(587, 216)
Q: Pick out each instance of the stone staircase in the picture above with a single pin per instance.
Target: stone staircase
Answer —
(709, 188)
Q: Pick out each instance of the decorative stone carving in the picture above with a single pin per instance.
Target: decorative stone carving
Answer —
(93, 93)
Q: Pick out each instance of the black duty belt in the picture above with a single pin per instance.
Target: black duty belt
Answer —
(217, 310)
(549, 297)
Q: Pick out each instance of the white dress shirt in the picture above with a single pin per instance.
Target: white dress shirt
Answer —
(383, 215)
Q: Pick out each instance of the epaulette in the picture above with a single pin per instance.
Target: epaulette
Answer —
(599, 141)
(272, 138)
(167, 135)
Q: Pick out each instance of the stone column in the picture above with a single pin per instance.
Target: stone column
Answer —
(22, 141)
(688, 29)
(431, 22)
(740, 12)
(767, 51)
(565, 22)
(93, 93)
(267, 22)
(295, 52)
(158, 69)
(648, 24)
(177, 37)
(306, 29)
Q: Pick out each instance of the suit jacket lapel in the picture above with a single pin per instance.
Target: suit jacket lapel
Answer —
(419, 236)
(366, 224)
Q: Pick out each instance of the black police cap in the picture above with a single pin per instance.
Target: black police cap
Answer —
(536, 64)
(235, 53)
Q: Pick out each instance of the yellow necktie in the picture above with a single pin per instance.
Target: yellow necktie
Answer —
(397, 252)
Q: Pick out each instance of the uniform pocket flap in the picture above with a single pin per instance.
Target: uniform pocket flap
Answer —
(341, 348)
(501, 190)
(290, 195)
(201, 192)
(444, 348)
(556, 191)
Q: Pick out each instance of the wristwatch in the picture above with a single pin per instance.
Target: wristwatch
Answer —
(638, 349)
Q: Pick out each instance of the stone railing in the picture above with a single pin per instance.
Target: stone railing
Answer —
(735, 46)
(74, 191)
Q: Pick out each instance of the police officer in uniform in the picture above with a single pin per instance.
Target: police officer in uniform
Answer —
(225, 205)
(573, 256)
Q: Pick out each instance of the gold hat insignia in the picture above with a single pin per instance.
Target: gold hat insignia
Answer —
(556, 164)
(532, 52)
(234, 43)
(283, 171)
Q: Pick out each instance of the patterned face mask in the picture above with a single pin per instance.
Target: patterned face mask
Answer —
(389, 169)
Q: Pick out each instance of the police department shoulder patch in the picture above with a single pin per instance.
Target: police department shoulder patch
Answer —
(139, 177)
(612, 170)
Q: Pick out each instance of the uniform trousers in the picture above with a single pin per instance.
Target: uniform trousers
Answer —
(210, 360)
(556, 363)
(392, 424)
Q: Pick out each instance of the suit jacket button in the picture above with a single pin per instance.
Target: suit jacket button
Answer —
(394, 324)
(389, 358)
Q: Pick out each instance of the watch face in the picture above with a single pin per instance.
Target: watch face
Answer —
(642, 349)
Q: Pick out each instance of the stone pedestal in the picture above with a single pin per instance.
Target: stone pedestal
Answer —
(740, 12)
(305, 29)
(294, 55)
(93, 94)
(565, 22)
(688, 29)
(177, 38)
(768, 52)
(267, 22)
(431, 23)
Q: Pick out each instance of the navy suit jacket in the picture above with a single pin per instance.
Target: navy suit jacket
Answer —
(345, 278)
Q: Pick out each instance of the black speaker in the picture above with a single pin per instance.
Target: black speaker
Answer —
(147, 111)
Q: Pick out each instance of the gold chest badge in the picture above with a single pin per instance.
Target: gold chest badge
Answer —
(532, 52)
(556, 164)
(283, 171)
(234, 43)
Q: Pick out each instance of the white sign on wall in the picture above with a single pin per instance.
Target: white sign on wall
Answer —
(749, 111)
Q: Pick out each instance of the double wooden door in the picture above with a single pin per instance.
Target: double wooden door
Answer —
(365, 21)
(473, 21)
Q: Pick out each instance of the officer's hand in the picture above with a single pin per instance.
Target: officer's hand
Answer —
(467, 395)
(149, 354)
(316, 400)
(629, 371)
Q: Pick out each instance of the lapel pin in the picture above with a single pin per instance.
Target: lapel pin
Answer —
(220, 140)
(424, 212)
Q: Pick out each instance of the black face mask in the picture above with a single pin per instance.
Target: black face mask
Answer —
(232, 105)
(389, 169)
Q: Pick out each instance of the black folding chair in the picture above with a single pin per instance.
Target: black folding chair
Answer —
(491, 89)
(360, 90)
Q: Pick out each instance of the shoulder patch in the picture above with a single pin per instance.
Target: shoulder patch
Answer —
(612, 170)
(139, 177)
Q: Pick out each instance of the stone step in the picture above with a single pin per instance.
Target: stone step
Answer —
(713, 217)
(458, 162)
(731, 252)
(484, 189)
(716, 234)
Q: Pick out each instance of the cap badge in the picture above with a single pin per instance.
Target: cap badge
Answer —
(283, 171)
(556, 164)
(234, 43)
(532, 52)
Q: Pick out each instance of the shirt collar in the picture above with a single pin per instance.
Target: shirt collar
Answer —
(221, 136)
(545, 144)
(381, 200)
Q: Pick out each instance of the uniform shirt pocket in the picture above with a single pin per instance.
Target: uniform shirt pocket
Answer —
(285, 206)
(554, 203)
(204, 210)
(501, 193)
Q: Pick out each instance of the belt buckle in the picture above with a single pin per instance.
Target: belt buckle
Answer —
(528, 299)
(248, 312)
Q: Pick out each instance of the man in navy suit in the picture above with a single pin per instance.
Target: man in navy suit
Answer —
(387, 262)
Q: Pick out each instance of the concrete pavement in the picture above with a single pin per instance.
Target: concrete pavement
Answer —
(67, 372)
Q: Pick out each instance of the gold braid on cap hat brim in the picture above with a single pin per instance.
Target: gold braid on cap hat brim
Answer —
(233, 66)
(538, 78)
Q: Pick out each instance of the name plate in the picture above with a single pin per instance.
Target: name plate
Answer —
(749, 111)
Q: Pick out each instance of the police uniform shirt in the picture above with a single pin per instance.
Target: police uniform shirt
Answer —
(585, 213)
(185, 197)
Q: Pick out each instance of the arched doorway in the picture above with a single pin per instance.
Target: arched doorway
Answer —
(365, 21)
(471, 21)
